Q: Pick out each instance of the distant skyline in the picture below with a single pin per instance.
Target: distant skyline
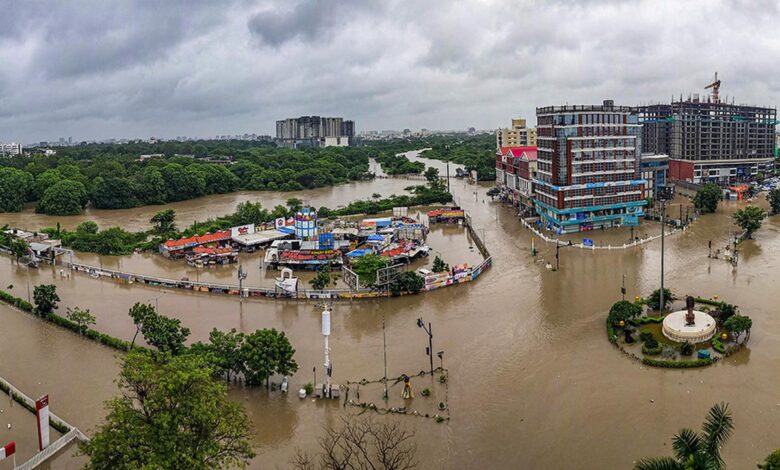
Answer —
(134, 69)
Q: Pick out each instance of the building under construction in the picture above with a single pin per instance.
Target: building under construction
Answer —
(710, 140)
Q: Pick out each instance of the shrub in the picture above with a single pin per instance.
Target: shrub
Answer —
(309, 387)
(654, 300)
(686, 349)
(652, 350)
(717, 345)
(623, 310)
(425, 392)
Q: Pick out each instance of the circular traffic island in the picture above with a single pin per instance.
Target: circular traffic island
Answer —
(692, 326)
(697, 333)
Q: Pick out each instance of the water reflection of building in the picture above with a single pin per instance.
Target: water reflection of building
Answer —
(588, 167)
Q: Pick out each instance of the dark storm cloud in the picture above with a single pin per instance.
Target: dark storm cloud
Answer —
(136, 68)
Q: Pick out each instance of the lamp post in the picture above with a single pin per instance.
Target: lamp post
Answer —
(664, 196)
(241, 277)
(623, 288)
(429, 331)
(558, 254)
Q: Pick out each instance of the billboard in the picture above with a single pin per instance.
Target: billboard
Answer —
(279, 223)
(242, 230)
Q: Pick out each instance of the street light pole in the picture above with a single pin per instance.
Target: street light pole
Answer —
(663, 231)
(623, 288)
(429, 331)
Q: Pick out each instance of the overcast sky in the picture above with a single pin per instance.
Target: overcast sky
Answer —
(99, 69)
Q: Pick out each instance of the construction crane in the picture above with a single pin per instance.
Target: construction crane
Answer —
(715, 85)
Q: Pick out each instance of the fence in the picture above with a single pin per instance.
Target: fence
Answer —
(623, 246)
(72, 433)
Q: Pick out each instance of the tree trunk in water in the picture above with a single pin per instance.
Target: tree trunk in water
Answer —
(134, 336)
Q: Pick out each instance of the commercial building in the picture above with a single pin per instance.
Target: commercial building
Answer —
(9, 150)
(588, 167)
(312, 131)
(519, 135)
(515, 172)
(709, 140)
(654, 169)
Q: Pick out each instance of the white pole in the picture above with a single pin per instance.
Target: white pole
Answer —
(326, 334)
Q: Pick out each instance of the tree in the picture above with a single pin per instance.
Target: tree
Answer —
(654, 300)
(294, 204)
(772, 461)
(46, 180)
(250, 213)
(150, 186)
(432, 176)
(113, 193)
(267, 352)
(686, 348)
(16, 187)
(749, 219)
(624, 310)
(171, 414)
(164, 222)
(707, 198)
(361, 443)
(164, 333)
(439, 266)
(82, 318)
(407, 281)
(697, 451)
(64, 198)
(19, 248)
(139, 313)
(726, 311)
(367, 266)
(739, 324)
(320, 281)
(774, 200)
(225, 353)
(45, 298)
(200, 151)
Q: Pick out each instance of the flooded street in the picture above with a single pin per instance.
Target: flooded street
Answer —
(534, 383)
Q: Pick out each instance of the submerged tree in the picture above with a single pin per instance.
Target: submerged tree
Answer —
(749, 219)
(170, 415)
(774, 200)
(361, 443)
(738, 324)
(707, 198)
(46, 298)
(697, 451)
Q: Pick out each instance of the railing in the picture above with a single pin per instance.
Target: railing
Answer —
(623, 246)
(56, 446)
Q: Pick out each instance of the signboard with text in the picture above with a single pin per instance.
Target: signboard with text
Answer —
(42, 415)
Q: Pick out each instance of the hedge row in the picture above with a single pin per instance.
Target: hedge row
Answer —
(94, 335)
(677, 364)
(611, 332)
(652, 351)
(646, 320)
(16, 301)
(701, 300)
(717, 345)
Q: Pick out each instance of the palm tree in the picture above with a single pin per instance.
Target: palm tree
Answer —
(697, 451)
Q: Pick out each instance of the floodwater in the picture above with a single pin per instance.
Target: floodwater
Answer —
(533, 381)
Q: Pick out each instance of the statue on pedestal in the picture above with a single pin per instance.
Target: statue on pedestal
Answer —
(690, 317)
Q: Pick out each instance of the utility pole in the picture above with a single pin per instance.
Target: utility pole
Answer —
(664, 196)
(709, 248)
(241, 277)
(429, 331)
(623, 288)
(384, 348)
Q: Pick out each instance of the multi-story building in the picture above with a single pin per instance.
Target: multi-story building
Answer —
(710, 140)
(519, 135)
(515, 173)
(588, 167)
(311, 131)
(9, 150)
(654, 169)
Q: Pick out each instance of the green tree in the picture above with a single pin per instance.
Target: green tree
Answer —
(707, 198)
(164, 333)
(250, 213)
(654, 300)
(367, 266)
(139, 313)
(697, 451)
(169, 149)
(164, 222)
(439, 266)
(45, 298)
(200, 151)
(739, 324)
(19, 248)
(150, 186)
(774, 200)
(225, 353)
(46, 180)
(772, 461)
(726, 311)
(64, 198)
(432, 176)
(88, 227)
(171, 414)
(82, 318)
(320, 281)
(16, 187)
(267, 352)
(294, 204)
(113, 193)
(624, 310)
(407, 281)
(749, 219)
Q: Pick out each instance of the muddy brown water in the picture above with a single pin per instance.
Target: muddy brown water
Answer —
(534, 382)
